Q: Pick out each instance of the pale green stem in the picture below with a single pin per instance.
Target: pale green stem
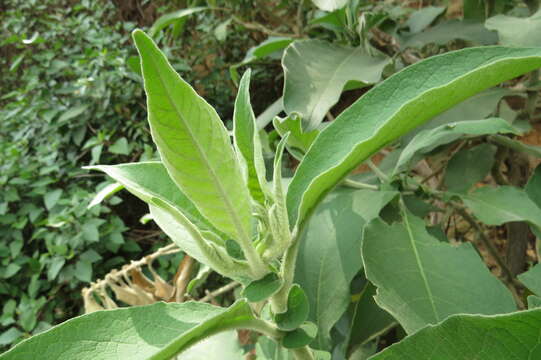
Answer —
(279, 300)
(303, 353)
(359, 185)
(380, 174)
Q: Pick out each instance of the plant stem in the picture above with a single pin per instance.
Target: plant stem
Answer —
(359, 185)
(380, 174)
(303, 353)
(279, 300)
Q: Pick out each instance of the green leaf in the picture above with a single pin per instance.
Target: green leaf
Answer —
(422, 18)
(176, 16)
(267, 349)
(72, 113)
(51, 198)
(475, 9)
(515, 31)
(316, 73)
(532, 279)
(330, 5)
(194, 145)
(300, 337)
(333, 236)
(83, 271)
(534, 302)
(298, 308)
(120, 147)
(149, 180)
(368, 320)
(397, 105)
(247, 140)
(226, 344)
(427, 140)
(496, 206)
(263, 288)
(9, 336)
(104, 193)
(441, 34)
(411, 271)
(466, 337)
(157, 331)
(468, 167)
(298, 141)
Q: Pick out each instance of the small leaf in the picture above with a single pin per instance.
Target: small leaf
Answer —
(299, 141)
(470, 31)
(159, 332)
(533, 187)
(534, 302)
(51, 198)
(423, 17)
(316, 73)
(104, 193)
(461, 337)
(532, 279)
(247, 140)
(297, 312)
(176, 16)
(262, 289)
(300, 337)
(120, 147)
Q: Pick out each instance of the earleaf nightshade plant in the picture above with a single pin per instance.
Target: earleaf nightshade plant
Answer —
(207, 191)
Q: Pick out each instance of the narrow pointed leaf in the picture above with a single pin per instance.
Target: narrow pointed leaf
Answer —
(158, 331)
(467, 337)
(427, 140)
(397, 105)
(316, 73)
(247, 140)
(194, 144)
(411, 270)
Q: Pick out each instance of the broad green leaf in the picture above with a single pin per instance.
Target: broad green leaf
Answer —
(330, 5)
(194, 145)
(120, 147)
(467, 337)
(104, 193)
(496, 206)
(316, 73)
(149, 180)
(176, 16)
(226, 344)
(267, 349)
(532, 279)
(468, 167)
(397, 105)
(368, 319)
(263, 288)
(327, 262)
(9, 336)
(157, 331)
(427, 140)
(475, 9)
(247, 140)
(411, 271)
(423, 17)
(515, 31)
(444, 32)
(298, 308)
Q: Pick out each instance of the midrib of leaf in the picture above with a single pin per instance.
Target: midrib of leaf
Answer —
(232, 213)
(331, 80)
(420, 265)
(498, 209)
